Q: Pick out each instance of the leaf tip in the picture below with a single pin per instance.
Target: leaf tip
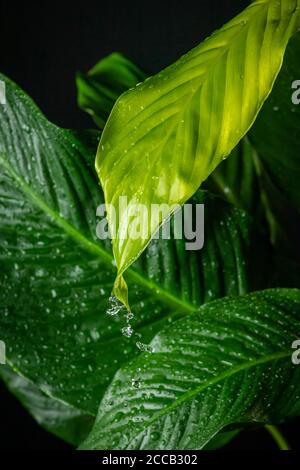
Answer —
(120, 291)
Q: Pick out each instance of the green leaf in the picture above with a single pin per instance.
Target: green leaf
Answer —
(235, 180)
(275, 134)
(57, 417)
(56, 277)
(165, 137)
(241, 180)
(104, 83)
(229, 363)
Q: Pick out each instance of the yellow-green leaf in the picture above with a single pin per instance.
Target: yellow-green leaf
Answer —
(166, 136)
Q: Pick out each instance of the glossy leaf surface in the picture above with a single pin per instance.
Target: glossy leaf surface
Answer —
(229, 363)
(166, 136)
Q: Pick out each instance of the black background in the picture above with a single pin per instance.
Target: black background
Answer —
(42, 45)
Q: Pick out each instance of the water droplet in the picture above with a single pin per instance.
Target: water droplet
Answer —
(127, 331)
(95, 334)
(114, 306)
(26, 128)
(129, 316)
(136, 383)
(144, 347)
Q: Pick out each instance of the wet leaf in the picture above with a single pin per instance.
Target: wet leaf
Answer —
(230, 363)
(165, 137)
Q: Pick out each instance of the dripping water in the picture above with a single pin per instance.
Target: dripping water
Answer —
(116, 308)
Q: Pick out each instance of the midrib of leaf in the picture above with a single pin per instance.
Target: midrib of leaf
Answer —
(225, 375)
(91, 246)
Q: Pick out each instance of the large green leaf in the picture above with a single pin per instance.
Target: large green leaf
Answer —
(275, 134)
(166, 136)
(242, 179)
(229, 363)
(236, 179)
(55, 416)
(63, 420)
(104, 83)
(56, 278)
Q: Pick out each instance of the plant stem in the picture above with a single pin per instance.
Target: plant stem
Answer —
(278, 437)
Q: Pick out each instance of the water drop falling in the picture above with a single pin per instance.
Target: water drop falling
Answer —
(127, 331)
(129, 316)
(114, 306)
(144, 347)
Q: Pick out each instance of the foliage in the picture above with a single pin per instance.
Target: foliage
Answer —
(205, 356)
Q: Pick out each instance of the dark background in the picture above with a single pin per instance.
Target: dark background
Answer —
(42, 45)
